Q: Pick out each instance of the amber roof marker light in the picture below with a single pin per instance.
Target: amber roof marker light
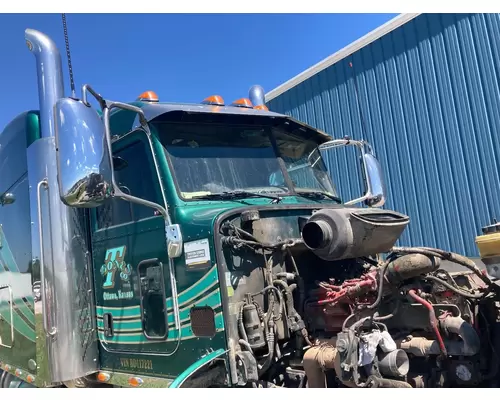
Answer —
(214, 100)
(244, 103)
(148, 96)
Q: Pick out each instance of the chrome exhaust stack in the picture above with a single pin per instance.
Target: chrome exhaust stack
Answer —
(59, 241)
(50, 77)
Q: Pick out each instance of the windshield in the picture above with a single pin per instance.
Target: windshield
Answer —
(214, 158)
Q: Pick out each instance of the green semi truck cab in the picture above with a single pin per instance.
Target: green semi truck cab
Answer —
(152, 244)
(129, 196)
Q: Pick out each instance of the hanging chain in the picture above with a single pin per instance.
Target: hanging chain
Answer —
(68, 54)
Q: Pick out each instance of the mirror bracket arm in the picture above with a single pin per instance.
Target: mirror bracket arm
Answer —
(358, 200)
(138, 200)
(86, 88)
(369, 163)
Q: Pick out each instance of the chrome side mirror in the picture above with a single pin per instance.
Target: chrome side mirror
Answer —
(83, 160)
(375, 185)
(373, 180)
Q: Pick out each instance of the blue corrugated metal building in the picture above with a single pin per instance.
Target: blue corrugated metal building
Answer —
(426, 87)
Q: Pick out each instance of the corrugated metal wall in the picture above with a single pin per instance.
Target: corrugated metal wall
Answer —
(429, 93)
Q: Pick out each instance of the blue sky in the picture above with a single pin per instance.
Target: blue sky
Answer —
(182, 57)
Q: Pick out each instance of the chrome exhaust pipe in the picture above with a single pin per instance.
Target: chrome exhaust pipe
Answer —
(50, 77)
(59, 240)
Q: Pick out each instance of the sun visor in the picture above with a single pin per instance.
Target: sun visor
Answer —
(194, 113)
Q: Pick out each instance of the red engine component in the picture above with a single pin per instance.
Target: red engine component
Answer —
(350, 288)
(326, 318)
(332, 303)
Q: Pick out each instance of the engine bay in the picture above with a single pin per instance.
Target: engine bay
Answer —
(314, 304)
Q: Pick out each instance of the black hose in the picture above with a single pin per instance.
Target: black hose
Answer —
(288, 296)
(302, 294)
(231, 240)
(270, 311)
(280, 298)
(382, 272)
(292, 258)
(241, 327)
(448, 256)
(356, 324)
(270, 345)
(291, 312)
(299, 280)
(246, 345)
(344, 324)
(453, 288)
(248, 235)
(388, 316)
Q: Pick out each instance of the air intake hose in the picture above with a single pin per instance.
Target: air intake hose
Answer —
(468, 346)
(343, 233)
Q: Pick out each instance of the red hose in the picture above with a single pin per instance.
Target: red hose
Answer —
(432, 318)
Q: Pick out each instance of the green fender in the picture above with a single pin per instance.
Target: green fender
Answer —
(177, 383)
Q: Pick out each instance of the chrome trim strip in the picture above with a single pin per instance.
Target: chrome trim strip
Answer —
(43, 184)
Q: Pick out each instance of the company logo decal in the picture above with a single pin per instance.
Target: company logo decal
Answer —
(115, 266)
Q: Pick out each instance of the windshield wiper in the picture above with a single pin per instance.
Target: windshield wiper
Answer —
(237, 194)
(318, 193)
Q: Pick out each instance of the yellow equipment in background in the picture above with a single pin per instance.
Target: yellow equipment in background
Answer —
(489, 248)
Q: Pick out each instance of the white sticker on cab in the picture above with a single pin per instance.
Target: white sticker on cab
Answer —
(197, 253)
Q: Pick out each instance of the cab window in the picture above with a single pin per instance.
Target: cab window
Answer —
(135, 175)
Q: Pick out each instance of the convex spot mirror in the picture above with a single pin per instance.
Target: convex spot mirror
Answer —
(7, 198)
(370, 176)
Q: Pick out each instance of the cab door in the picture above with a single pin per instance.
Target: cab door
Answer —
(132, 282)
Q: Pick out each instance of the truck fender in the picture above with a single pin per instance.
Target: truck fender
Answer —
(184, 377)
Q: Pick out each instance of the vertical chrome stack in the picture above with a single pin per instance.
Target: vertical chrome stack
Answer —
(60, 241)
